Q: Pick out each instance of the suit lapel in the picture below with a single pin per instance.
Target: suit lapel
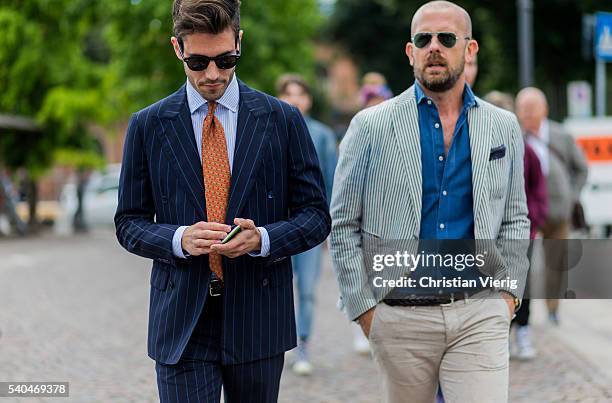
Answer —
(254, 123)
(480, 126)
(179, 138)
(406, 130)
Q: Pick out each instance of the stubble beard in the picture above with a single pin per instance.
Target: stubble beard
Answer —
(440, 83)
(212, 95)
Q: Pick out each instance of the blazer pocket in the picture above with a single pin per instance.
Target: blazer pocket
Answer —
(160, 278)
(369, 233)
(497, 152)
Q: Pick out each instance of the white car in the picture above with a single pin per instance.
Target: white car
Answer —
(99, 200)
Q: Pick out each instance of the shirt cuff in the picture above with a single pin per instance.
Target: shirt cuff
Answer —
(265, 244)
(177, 244)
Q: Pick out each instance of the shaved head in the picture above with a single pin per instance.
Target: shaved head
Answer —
(531, 109)
(440, 5)
(439, 65)
(533, 96)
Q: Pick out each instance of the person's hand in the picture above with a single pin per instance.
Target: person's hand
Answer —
(198, 238)
(365, 321)
(510, 301)
(247, 240)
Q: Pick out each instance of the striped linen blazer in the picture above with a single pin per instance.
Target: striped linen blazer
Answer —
(378, 194)
(276, 181)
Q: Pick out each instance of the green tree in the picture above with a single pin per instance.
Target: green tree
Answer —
(143, 67)
(46, 73)
(73, 64)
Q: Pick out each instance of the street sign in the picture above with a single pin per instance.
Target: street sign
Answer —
(579, 99)
(603, 36)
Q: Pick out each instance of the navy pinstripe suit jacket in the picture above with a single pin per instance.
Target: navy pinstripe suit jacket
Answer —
(276, 181)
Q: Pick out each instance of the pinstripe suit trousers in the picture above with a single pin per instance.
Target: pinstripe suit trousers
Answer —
(199, 374)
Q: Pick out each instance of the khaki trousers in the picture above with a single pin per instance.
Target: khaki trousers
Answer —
(463, 346)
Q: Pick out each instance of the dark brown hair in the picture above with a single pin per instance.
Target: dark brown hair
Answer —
(287, 79)
(205, 16)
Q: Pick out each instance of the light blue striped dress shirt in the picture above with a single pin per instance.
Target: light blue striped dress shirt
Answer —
(227, 113)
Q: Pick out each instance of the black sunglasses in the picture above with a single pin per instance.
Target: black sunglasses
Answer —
(200, 62)
(447, 39)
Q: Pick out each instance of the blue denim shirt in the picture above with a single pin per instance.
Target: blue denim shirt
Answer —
(447, 199)
(447, 209)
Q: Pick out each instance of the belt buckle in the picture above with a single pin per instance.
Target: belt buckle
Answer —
(214, 287)
(452, 301)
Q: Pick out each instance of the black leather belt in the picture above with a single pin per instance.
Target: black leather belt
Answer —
(427, 300)
(215, 287)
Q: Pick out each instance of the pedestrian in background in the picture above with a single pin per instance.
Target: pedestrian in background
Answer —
(374, 90)
(294, 89)
(565, 168)
(537, 209)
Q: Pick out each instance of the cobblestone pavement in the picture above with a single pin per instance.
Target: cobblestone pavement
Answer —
(75, 309)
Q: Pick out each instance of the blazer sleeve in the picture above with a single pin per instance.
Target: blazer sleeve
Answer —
(309, 222)
(135, 227)
(578, 167)
(346, 210)
(513, 236)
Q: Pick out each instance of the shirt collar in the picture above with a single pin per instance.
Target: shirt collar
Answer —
(229, 99)
(469, 99)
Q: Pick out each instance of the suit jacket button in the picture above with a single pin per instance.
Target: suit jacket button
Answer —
(264, 282)
(270, 195)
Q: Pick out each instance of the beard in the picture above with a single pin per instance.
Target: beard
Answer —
(443, 81)
(211, 94)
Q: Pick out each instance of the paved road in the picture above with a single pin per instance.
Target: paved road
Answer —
(74, 309)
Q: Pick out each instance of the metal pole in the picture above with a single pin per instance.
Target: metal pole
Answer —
(525, 31)
(600, 86)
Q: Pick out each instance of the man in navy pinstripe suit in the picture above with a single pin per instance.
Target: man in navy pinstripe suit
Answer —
(225, 324)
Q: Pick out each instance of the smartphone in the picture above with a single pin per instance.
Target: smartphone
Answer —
(232, 234)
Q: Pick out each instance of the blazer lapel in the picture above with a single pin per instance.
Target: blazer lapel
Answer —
(480, 126)
(406, 130)
(254, 123)
(180, 144)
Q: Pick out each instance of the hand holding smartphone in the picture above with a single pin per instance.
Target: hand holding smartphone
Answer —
(232, 234)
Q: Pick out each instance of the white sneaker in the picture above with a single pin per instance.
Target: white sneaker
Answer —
(361, 344)
(302, 368)
(524, 347)
(302, 365)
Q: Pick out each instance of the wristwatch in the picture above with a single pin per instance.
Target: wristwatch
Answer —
(516, 300)
(517, 304)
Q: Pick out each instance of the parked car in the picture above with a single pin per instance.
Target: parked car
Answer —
(99, 200)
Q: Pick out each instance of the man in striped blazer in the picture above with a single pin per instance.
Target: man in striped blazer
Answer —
(431, 165)
(213, 154)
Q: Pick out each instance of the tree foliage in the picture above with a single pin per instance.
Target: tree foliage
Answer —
(46, 74)
(144, 68)
(72, 64)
